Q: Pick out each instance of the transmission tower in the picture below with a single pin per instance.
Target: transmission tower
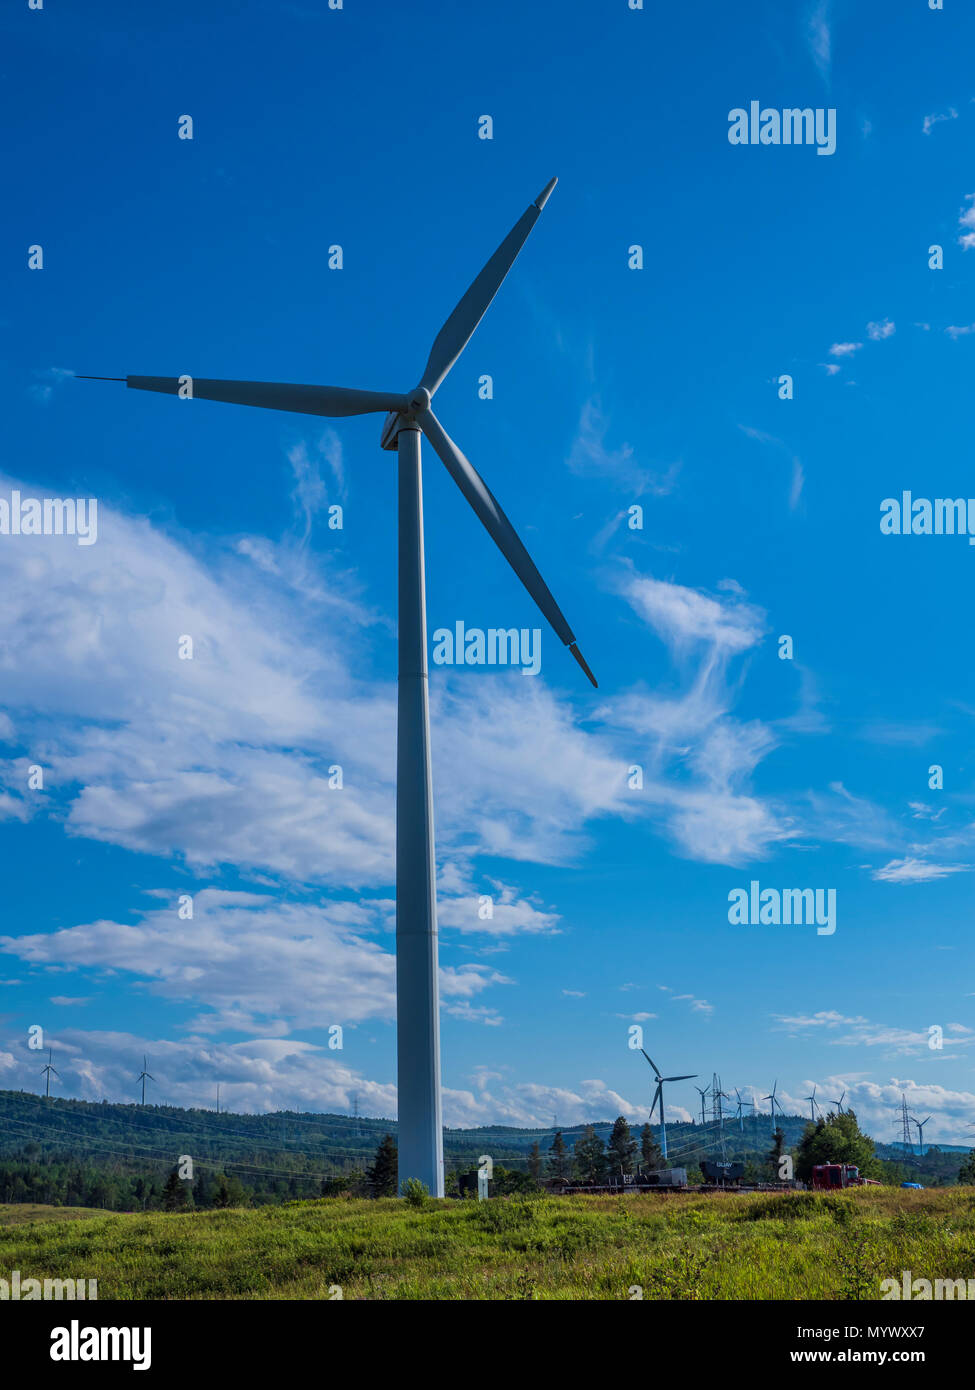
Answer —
(717, 1095)
(906, 1126)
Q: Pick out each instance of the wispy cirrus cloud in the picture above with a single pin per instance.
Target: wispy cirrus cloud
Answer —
(819, 39)
(47, 380)
(591, 456)
(910, 870)
(797, 474)
(966, 219)
(931, 121)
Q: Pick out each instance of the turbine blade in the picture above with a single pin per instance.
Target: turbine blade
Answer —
(456, 332)
(275, 395)
(651, 1061)
(499, 528)
(689, 1077)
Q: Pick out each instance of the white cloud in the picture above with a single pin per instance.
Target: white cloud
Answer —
(685, 617)
(966, 218)
(698, 1006)
(818, 36)
(877, 332)
(916, 871)
(310, 492)
(225, 758)
(701, 758)
(256, 963)
(47, 380)
(844, 349)
(589, 456)
(931, 121)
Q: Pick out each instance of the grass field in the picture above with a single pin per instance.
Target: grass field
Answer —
(23, 1212)
(800, 1245)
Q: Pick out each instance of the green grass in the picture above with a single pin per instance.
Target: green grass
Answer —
(34, 1211)
(800, 1245)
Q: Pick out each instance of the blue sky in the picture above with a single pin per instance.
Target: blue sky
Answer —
(613, 387)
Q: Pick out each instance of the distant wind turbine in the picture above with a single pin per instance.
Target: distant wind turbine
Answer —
(658, 1095)
(772, 1098)
(417, 986)
(145, 1076)
(920, 1132)
(741, 1106)
(704, 1093)
(49, 1071)
(812, 1104)
(839, 1103)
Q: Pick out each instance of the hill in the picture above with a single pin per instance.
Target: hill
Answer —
(117, 1157)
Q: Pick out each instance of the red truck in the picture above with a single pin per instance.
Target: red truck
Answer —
(831, 1176)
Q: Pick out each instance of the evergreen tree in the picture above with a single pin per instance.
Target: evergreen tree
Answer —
(621, 1149)
(836, 1139)
(775, 1153)
(651, 1155)
(590, 1156)
(535, 1163)
(558, 1164)
(966, 1173)
(174, 1193)
(383, 1176)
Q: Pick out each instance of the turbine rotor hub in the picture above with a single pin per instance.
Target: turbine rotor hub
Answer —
(419, 399)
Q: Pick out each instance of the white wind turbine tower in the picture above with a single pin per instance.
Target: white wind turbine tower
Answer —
(659, 1095)
(920, 1132)
(741, 1105)
(417, 986)
(839, 1103)
(49, 1071)
(703, 1092)
(145, 1076)
(813, 1104)
(774, 1100)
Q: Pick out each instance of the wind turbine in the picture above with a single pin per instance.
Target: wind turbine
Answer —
(920, 1132)
(812, 1104)
(659, 1095)
(703, 1092)
(49, 1071)
(839, 1103)
(775, 1102)
(741, 1106)
(417, 986)
(145, 1076)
